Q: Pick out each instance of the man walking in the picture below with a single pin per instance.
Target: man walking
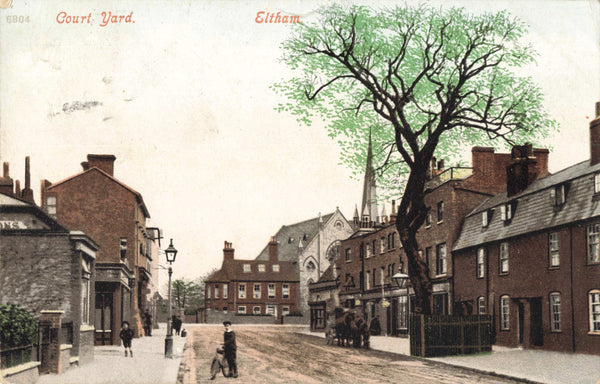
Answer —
(230, 347)
(147, 323)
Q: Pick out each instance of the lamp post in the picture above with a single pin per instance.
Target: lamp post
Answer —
(171, 253)
(400, 279)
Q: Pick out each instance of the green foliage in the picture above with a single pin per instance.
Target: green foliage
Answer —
(187, 294)
(422, 81)
(17, 326)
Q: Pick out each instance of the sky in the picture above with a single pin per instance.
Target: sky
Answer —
(180, 95)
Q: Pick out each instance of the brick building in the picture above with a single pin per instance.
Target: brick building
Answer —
(368, 260)
(258, 287)
(372, 255)
(530, 256)
(114, 215)
(45, 267)
(311, 245)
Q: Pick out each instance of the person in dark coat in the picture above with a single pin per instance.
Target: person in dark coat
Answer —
(176, 323)
(375, 327)
(230, 346)
(147, 323)
(126, 335)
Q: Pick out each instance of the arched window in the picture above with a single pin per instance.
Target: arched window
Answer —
(481, 308)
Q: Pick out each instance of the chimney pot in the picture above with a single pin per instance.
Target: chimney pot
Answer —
(6, 175)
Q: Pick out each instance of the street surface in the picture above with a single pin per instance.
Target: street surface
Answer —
(270, 354)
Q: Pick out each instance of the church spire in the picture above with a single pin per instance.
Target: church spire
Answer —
(369, 199)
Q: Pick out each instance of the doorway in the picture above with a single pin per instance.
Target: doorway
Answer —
(103, 318)
(537, 331)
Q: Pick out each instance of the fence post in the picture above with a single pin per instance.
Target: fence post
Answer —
(422, 335)
(462, 336)
(479, 334)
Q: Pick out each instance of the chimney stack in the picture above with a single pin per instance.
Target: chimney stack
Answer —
(228, 251)
(522, 171)
(6, 183)
(595, 137)
(103, 162)
(273, 249)
(27, 193)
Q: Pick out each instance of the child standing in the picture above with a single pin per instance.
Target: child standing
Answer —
(126, 335)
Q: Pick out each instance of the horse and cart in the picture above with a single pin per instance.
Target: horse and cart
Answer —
(349, 329)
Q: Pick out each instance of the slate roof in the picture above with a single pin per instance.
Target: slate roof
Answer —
(304, 230)
(535, 209)
(233, 270)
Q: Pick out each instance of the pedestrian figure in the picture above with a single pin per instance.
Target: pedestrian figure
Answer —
(230, 346)
(375, 327)
(126, 335)
(147, 323)
(176, 324)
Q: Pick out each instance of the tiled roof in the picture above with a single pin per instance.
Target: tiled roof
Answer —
(289, 235)
(233, 270)
(535, 209)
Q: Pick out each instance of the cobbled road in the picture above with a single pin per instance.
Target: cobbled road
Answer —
(280, 355)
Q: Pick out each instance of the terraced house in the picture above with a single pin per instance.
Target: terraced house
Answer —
(530, 256)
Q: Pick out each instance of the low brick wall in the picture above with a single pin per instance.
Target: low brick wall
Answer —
(86, 344)
(295, 320)
(21, 374)
(65, 357)
(217, 317)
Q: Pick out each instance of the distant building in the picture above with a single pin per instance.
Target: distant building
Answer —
(530, 256)
(45, 267)
(311, 245)
(251, 287)
(114, 215)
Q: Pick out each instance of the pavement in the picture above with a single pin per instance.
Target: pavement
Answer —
(147, 366)
(535, 366)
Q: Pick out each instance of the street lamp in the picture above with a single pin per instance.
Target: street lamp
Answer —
(400, 279)
(171, 253)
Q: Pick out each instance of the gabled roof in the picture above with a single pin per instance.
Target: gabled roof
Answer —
(289, 235)
(113, 179)
(15, 208)
(534, 209)
(233, 270)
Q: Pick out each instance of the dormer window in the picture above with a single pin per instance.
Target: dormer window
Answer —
(275, 267)
(506, 212)
(597, 182)
(246, 267)
(261, 267)
(485, 219)
(558, 195)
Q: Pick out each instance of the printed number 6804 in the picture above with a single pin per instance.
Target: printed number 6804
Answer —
(17, 19)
